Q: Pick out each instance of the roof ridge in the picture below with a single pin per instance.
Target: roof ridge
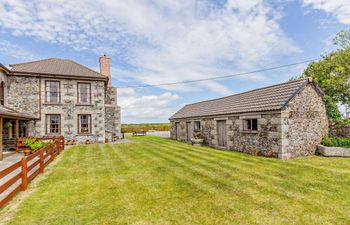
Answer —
(262, 88)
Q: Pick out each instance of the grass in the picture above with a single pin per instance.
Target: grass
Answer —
(159, 181)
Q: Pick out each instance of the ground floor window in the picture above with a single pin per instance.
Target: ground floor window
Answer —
(53, 124)
(197, 125)
(250, 124)
(84, 124)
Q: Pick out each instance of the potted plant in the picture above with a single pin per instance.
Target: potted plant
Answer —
(7, 125)
(197, 139)
(22, 124)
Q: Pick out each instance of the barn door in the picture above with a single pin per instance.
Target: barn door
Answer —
(189, 131)
(221, 126)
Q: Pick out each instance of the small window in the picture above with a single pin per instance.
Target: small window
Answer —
(52, 89)
(53, 124)
(2, 93)
(250, 124)
(84, 93)
(84, 122)
(197, 125)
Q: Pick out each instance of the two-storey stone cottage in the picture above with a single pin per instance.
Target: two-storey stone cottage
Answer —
(61, 97)
(284, 120)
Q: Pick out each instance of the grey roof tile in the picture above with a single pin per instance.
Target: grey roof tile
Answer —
(262, 99)
(55, 66)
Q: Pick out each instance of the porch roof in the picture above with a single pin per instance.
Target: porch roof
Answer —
(11, 113)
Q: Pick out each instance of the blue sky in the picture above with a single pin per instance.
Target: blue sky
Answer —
(161, 41)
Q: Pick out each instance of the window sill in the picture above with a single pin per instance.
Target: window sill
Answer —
(250, 131)
(89, 134)
(47, 103)
(84, 104)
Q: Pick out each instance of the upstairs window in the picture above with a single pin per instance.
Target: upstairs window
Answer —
(2, 93)
(250, 124)
(52, 89)
(84, 93)
(197, 125)
(53, 124)
(84, 124)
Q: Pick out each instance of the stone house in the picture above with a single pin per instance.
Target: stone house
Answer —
(62, 97)
(284, 120)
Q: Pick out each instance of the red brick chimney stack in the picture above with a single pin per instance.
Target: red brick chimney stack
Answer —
(105, 67)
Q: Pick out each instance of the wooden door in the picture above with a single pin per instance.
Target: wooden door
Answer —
(189, 131)
(221, 129)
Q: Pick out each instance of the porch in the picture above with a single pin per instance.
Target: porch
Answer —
(13, 125)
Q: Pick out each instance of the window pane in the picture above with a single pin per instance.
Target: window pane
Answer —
(52, 91)
(53, 123)
(254, 124)
(84, 123)
(84, 95)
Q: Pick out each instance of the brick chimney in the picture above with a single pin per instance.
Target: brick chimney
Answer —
(105, 67)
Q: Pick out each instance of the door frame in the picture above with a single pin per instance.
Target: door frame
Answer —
(224, 134)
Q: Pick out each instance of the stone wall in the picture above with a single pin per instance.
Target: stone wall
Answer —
(112, 114)
(339, 129)
(295, 131)
(24, 96)
(266, 141)
(304, 123)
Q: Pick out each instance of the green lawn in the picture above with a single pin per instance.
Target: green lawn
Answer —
(158, 181)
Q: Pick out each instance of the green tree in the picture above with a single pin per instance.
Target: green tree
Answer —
(332, 74)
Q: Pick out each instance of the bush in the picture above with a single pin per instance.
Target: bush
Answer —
(35, 145)
(336, 142)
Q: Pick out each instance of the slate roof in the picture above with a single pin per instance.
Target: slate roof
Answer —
(55, 66)
(8, 112)
(263, 99)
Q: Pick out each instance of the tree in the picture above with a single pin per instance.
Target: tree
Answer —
(332, 74)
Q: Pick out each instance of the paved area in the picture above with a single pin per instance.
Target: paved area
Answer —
(8, 160)
(165, 134)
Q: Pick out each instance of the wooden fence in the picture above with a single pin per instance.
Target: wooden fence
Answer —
(28, 167)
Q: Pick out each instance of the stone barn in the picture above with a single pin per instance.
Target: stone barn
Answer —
(284, 120)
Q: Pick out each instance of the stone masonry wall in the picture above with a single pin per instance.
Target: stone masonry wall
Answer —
(266, 141)
(112, 113)
(24, 96)
(304, 124)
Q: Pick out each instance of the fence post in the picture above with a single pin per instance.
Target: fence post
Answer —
(24, 174)
(41, 160)
(52, 153)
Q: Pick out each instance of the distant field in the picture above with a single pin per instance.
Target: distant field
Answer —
(128, 128)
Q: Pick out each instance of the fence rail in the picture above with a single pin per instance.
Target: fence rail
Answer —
(29, 167)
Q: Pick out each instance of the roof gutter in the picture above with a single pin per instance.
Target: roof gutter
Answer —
(61, 76)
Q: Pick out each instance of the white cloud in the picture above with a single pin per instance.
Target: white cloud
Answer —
(337, 8)
(167, 41)
(146, 108)
(13, 50)
(160, 41)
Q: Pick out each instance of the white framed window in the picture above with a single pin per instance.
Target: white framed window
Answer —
(250, 125)
(84, 93)
(197, 125)
(84, 124)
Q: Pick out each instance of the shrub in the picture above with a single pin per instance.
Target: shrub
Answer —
(35, 145)
(336, 142)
